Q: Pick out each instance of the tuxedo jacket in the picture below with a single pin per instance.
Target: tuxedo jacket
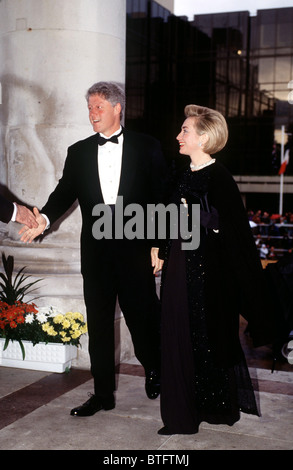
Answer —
(6, 209)
(142, 173)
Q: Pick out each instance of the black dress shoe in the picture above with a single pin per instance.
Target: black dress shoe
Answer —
(152, 385)
(92, 406)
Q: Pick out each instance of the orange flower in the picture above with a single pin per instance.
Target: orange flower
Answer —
(20, 319)
(10, 316)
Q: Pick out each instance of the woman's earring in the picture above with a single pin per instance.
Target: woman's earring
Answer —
(200, 144)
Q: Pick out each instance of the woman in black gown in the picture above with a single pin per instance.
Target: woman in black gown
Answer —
(204, 375)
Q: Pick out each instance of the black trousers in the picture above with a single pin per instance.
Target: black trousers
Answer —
(125, 272)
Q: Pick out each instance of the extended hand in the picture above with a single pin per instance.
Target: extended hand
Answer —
(29, 234)
(25, 216)
(157, 263)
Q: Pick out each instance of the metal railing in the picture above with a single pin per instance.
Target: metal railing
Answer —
(273, 240)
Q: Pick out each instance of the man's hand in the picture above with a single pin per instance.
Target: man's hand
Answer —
(157, 263)
(29, 234)
(25, 216)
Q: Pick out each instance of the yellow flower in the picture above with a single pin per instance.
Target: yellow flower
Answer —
(65, 339)
(66, 323)
(75, 326)
(58, 318)
(75, 334)
(82, 329)
(45, 326)
(77, 316)
(49, 329)
(69, 315)
(71, 324)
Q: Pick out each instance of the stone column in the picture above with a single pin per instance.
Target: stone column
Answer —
(51, 52)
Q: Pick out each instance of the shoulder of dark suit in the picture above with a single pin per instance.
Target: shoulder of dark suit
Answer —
(139, 137)
(87, 141)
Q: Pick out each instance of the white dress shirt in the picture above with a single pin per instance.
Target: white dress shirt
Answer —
(109, 165)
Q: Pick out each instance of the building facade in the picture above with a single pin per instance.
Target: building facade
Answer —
(239, 64)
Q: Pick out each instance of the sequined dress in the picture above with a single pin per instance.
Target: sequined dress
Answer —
(194, 388)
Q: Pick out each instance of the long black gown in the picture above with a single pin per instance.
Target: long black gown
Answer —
(195, 387)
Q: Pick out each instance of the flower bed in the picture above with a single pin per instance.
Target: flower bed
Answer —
(24, 325)
(25, 322)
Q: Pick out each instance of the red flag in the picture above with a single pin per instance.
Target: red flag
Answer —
(284, 163)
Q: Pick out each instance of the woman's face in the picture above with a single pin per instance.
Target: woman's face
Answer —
(189, 140)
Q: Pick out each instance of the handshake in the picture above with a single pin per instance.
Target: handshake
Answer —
(34, 223)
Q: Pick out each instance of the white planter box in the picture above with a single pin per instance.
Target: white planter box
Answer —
(51, 357)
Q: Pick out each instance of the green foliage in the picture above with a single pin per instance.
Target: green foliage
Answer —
(12, 291)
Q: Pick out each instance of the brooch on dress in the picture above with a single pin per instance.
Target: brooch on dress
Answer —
(184, 202)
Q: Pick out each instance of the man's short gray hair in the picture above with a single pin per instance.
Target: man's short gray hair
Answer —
(110, 91)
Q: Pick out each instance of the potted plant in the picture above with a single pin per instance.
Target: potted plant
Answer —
(34, 327)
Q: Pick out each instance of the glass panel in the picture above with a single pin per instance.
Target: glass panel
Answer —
(266, 70)
(284, 34)
(283, 66)
(267, 35)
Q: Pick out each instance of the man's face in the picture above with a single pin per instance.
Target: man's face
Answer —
(104, 117)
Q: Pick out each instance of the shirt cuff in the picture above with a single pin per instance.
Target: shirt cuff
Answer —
(47, 221)
(13, 218)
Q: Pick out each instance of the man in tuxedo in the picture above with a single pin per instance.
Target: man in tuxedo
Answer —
(96, 171)
(10, 211)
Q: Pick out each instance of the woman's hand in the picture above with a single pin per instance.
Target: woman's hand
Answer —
(157, 263)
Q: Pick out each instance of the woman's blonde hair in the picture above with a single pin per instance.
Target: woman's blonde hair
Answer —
(210, 122)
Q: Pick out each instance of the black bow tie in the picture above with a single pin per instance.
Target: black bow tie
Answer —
(114, 139)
